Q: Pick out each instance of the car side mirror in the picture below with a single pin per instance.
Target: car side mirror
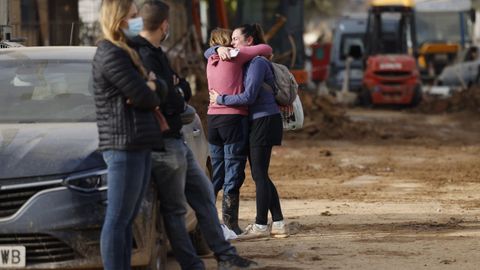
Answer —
(188, 115)
(355, 51)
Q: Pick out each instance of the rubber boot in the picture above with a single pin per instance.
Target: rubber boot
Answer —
(230, 205)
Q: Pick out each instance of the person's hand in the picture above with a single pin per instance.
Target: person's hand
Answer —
(213, 96)
(152, 76)
(176, 80)
(152, 85)
(224, 53)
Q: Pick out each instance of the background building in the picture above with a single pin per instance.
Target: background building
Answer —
(47, 22)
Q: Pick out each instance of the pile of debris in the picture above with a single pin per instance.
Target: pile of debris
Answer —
(460, 100)
(326, 118)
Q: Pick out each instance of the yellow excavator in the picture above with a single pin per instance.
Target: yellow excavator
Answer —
(444, 28)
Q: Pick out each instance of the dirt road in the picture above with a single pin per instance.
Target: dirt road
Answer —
(406, 197)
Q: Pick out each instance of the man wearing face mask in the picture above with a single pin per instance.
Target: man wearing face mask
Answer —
(179, 176)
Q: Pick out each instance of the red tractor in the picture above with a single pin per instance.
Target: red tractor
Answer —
(391, 74)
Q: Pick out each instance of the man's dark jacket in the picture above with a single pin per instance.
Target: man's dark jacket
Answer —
(122, 126)
(173, 105)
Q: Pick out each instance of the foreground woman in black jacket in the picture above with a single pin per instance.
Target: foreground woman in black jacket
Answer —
(125, 102)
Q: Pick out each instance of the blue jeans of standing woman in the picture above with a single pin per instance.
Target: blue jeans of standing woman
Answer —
(128, 176)
(229, 157)
(180, 179)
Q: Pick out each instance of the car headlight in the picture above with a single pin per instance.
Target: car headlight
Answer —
(88, 181)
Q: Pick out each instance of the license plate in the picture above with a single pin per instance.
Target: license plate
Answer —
(12, 256)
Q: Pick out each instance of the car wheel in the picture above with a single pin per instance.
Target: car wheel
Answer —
(158, 259)
(199, 242)
(477, 77)
(209, 168)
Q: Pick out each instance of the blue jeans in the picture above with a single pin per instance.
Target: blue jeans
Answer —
(128, 176)
(180, 179)
(228, 163)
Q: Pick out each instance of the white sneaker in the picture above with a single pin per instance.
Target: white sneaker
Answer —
(253, 231)
(279, 229)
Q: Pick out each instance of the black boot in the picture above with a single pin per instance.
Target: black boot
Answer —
(230, 205)
(235, 262)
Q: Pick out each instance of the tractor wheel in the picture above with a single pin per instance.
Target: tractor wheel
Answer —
(417, 97)
(365, 97)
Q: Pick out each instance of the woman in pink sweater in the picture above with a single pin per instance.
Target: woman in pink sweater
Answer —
(228, 126)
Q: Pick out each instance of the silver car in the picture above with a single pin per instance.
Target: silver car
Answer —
(465, 72)
(52, 178)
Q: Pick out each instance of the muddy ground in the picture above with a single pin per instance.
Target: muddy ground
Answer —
(393, 190)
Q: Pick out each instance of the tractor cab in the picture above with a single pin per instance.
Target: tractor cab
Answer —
(391, 74)
(380, 39)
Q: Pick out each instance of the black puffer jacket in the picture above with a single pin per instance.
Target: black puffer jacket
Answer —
(122, 126)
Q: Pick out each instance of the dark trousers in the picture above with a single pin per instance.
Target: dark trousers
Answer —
(180, 179)
(266, 193)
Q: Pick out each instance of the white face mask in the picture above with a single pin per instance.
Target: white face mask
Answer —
(135, 26)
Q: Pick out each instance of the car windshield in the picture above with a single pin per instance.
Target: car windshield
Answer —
(33, 91)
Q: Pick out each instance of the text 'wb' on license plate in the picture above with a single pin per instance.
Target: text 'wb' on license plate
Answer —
(12, 256)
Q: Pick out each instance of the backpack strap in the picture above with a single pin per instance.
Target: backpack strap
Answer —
(265, 85)
(268, 87)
